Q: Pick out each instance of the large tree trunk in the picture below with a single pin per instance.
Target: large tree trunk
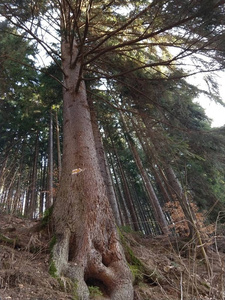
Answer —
(87, 246)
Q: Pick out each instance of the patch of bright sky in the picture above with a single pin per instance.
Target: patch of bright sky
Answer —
(215, 111)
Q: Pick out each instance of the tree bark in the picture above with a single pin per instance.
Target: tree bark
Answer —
(87, 248)
(158, 212)
(181, 197)
(43, 185)
(49, 201)
(124, 214)
(103, 164)
(127, 195)
(33, 198)
(58, 144)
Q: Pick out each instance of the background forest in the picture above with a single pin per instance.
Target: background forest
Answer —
(161, 162)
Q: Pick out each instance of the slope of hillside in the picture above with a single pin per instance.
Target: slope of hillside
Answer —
(163, 268)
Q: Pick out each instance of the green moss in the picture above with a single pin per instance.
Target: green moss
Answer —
(61, 284)
(136, 266)
(137, 273)
(52, 243)
(130, 256)
(126, 229)
(75, 293)
(139, 270)
(206, 284)
(94, 291)
(8, 241)
(65, 284)
(52, 269)
(47, 217)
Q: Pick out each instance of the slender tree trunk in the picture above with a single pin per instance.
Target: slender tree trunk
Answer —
(124, 210)
(10, 190)
(3, 170)
(58, 145)
(159, 215)
(43, 185)
(33, 198)
(28, 194)
(103, 164)
(17, 208)
(16, 202)
(49, 201)
(171, 177)
(181, 197)
(128, 197)
(87, 248)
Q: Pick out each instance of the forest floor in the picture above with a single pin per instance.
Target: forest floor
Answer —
(163, 268)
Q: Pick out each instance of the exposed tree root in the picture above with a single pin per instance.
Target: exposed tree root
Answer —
(94, 265)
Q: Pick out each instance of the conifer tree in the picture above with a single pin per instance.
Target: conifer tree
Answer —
(93, 35)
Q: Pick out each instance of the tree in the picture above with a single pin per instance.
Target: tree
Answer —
(87, 247)
(90, 249)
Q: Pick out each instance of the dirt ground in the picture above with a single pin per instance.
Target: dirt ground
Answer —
(163, 268)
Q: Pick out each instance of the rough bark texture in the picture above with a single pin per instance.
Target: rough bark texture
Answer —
(49, 201)
(103, 164)
(181, 197)
(58, 144)
(158, 212)
(87, 248)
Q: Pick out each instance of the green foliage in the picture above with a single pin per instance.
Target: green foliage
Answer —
(135, 265)
(5, 239)
(15, 53)
(137, 273)
(126, 229)
(50, 87)
(94, 291)
(139, 270)
(75, 293)
(47, 217)
(52, 269)
(52, 243)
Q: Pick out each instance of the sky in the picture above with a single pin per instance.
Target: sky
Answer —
(215, 111)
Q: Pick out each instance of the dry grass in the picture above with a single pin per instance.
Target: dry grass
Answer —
(172, 268)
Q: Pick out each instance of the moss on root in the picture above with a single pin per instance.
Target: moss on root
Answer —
(75, 293)
(135, 265)
(94, 291)
(66, 285)
(141, 272)
(52, 243)
(8, 241)
(52, 269)
(47, 217)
